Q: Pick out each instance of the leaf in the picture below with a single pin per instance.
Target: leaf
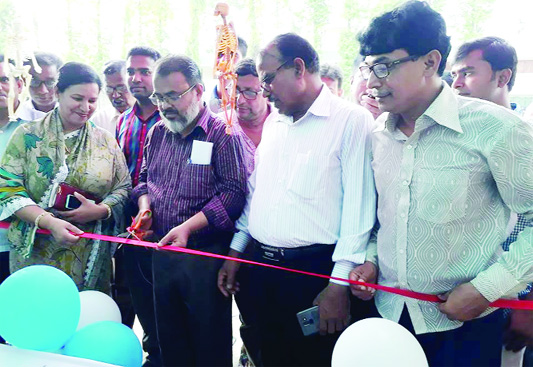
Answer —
(46, 166)
(30, 141)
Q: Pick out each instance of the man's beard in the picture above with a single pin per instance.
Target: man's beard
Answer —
(179, 123)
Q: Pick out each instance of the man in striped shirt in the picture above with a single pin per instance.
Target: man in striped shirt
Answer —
(132, 128)
(311, 206)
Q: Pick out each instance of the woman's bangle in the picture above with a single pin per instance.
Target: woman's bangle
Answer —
(108, 211)
(40, 216)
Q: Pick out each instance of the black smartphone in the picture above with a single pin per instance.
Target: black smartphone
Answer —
(309, 320)
(72, 202)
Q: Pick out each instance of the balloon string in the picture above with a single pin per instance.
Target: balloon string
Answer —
(501, 303)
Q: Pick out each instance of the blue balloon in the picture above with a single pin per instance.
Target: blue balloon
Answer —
(39, 308)
(106, 341)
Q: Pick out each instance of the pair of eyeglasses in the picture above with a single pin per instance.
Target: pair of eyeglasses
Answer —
(36, 83)
(119, 89)
(247, 94)
(382, 69)
(268, 79)
(169, 98)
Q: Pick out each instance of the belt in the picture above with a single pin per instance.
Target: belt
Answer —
(277, 254)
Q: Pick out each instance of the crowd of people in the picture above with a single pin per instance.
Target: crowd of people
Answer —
(421, 180)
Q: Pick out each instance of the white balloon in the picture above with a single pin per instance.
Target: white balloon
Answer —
(97, 306)
(377, 342)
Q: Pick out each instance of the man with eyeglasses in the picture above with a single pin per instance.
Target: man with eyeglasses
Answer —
(42, 87)
(132, 128)
(311, 207)
(448, 170)
(193, 179)
(121, 99)
(7, 127)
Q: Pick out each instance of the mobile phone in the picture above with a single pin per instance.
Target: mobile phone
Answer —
(309, 320)
(72, 202)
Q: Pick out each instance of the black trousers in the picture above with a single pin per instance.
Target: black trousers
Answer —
(477, 343)
(120, 290)
(138, 269)
(193, 318)
(278, 296)
(4, 273)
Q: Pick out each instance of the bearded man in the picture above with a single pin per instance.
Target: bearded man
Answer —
(193, 179)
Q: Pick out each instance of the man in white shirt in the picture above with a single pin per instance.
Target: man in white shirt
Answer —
(312, 199)
(42, 87)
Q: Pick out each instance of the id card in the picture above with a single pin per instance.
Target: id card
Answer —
(201, 152)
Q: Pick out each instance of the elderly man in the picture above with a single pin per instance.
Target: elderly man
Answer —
(449, 170)
(121, 99)
(486, 68)
(331, 75)
(360, 94)
(311, 206)
(42, 87)
(194, 181)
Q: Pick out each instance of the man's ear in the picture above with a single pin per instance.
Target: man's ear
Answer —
(504, 76)
(432, 61)
(199, 90)
(299, 67)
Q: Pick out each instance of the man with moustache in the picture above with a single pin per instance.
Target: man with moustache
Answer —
(449, 170)
(193, 179)
(132, 129)
(42, 87)
(311, 207)
(117, 91)
(360, 93)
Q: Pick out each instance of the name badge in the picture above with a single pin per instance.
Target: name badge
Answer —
(201, 152)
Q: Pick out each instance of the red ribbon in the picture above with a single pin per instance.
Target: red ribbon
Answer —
(501, 303)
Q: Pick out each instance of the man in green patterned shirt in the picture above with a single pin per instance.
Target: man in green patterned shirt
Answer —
(448, 170)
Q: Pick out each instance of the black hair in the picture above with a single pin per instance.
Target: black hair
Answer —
(179, 64)
(413, 26)
(291, 46)
(332, 72)
(243, 46)
(74, 73)
(496, 51)
(144, 51)
(246, 67)
(114, 67)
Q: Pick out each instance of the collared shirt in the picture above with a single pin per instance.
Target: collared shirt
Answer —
(444, 199)
(5, 135)
(179, 188)
(313, 182)
(131, 134)
(27, 111)
(106, 117)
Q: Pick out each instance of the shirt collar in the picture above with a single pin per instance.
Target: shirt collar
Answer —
(204, 118)
(443, 111)
(137, 111)
(321, 107)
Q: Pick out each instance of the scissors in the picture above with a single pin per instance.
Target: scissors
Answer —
(134, 230)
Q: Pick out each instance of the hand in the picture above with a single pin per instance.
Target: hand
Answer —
(226, 275)
(145, 219)
(87, 212)
(60, 229)
(178, 236)
(371, 104)
(463, 303)
(334, 308)
(518, 332)
(367, 273)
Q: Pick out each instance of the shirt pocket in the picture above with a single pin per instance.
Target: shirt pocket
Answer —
(307, 179)
(441, 195)
(196, 181)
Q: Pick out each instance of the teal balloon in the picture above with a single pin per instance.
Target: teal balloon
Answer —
(106, 341)
(39, 308)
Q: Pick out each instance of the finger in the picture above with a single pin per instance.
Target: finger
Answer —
(443, 296)
(339, 325)
(222, 283)
(323, 326)
(74, 229)
(332, 324)
(164, 241)
(80, 197)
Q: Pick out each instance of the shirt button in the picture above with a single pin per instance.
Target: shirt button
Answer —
(401, 251)
(409, 146)
(403, 284)
(402, 215)
(405, 182)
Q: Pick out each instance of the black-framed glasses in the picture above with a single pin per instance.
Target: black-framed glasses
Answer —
(268, 79)
(36, 83)
(119, 89)
(170, 98)
(382, 69)
(247, 94)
